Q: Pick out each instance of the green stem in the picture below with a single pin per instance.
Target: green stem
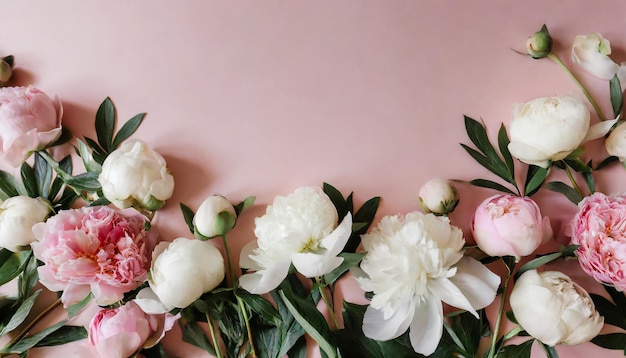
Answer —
(32, 323)
(216, 345)
(496, 329)
(558, 61)
(231, 272)
(571, 179)
(246, 320)
(512, 333)
(329, 304)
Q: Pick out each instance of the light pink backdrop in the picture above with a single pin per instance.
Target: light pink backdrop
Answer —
(259, 98)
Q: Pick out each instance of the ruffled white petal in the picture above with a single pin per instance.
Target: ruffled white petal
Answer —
(446, 291)
(478, 284)
(375, 325)
(314, 265)
(263, 281)
(427, 326)
(336, 241)
(244, 257)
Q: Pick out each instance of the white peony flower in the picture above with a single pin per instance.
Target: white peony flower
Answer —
(438, 196)
(592, 52)
(616, 142)
(554, 309)
(17, 217)
(215, 216)
(550, 128)
(300, 228)
(413, 264)
(182, 270)
(134, 174)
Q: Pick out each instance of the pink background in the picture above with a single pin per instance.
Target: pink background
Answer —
(259, 98)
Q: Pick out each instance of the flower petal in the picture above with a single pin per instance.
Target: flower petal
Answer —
(337, 239)
(427, 326)
(478, 284)
(150, 303)
(447, 291)
(267, 279)
(598, 130)
(314, 265)
(375, 325)
(528, 154)
(244, 257)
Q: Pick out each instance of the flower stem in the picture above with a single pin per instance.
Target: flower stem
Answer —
(329, 304)
(32, 323)
(245, 318)
(231, 272)
(571, 179)
(558, 61)
(496, 328)
(216, 345)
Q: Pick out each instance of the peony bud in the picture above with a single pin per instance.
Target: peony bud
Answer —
(508, 225)
(616, 142)
(5, 71)
(17, 217)
(438, 196)
(183, 270)
(539, 44)
(136, 175)
(215, 217)
(554, 309)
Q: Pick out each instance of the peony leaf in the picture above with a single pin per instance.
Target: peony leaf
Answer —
(86, 181)
(188, 215)
(578, 165)
(31, 341)
(337, 199)
(538, 262)
(611, 341)
(365, 215)
(619, 299)
(566, 190)
(493, 165)
(349, 260)
(86, 155)
(261, 306)
(478, 135)
(516, 351)
(246, 203)
(193, 334)
(534, 178)
(105, 124)
(22, 312)
(550, 351)
(76, 308)
(503, 143)
(66, 136)
(43, 174)
(617, 97)
(29, 180)
(63, 335)
(12, 264)
(611, 313)
(608, 160)
(127, 130)
(9, 186)
(484, 183)
(29, 277)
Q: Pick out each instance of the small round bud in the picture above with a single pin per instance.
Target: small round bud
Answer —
(5, 71)
(438, 196)
(539, 44)
(215, 217)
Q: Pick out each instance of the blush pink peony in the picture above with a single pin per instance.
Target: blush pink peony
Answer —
(29, 121)
(509, 225)
(599, 228)
(93, 249)
(121, 332)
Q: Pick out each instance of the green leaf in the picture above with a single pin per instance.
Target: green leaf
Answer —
(9, 186)
(66, 165)
(366, 215)
(578, 165)
(349, 260)
(246, 203)
(608, 160)
(611, 313)
(611, 341)
(516, 351)
(156, 351)
(503, 143)
(127, 130)
(86, 155)
(43, 174)
(478, 135)
(29, 342)
(86, 181)
(534, 178)
(550, 351)
(22, 312)
(484, 183)
(617, 97)
(29, 277)
(29, 180)
(11, 264)
(10, 60)
(261, 306)
(538, 262)
(193, 334)
(337, 199)
(305, 312)
(105, 124)
(617, 297)
(493, 165)
(77, 307)
(188, 215)
(63, 335)
(566, 190)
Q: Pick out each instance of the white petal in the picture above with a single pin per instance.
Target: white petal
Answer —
(149, 302)
(445, 290)
(264, 281)
(337, 239)
(375, 326)
(427, 326)
(600, 129)
(314, 265)
(478, 284)
(244, 257)
(528, 154)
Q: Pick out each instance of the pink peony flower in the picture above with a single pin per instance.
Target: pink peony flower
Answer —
(121, 332)
(93, 249)
(508, 225)
(599, 228)
(29, 121)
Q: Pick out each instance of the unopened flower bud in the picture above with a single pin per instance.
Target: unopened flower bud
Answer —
(5, 71)
(539, 44)
(438, 196)
(215, 217)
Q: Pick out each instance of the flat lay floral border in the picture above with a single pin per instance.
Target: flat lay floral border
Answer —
(88, 237)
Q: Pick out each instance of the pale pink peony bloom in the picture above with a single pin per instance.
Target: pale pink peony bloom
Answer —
(599, 228)
(509, 225)
(121, 332)
(93, 249)
(29, 121)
